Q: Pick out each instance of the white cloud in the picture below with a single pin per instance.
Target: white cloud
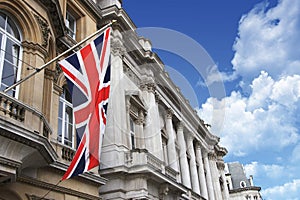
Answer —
(287, 191)
(269, 41)
(271, 171)
(251, 169)
(214, 75)
(262, 120)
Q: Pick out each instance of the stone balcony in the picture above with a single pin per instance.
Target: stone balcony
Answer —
(147, 162)
(24, 138)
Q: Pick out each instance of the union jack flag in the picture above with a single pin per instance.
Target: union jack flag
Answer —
(88, 78)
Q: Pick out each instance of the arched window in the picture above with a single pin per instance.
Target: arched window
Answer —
(66, 130)
(10, 55)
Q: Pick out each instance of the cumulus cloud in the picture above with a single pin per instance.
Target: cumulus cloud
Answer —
(271, 171)
(262, 120)
(268, 40)
(214, 75)
(288, 191)
(264, 114)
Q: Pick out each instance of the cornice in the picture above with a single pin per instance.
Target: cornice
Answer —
(88, 177)
(36, 47)
(255, 188)
(41, 184)
(54, 13)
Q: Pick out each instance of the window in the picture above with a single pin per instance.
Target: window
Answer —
(132, 133)
(164, 140)
(10, 44)
(71, 25)
(66, 130)
(242, 184)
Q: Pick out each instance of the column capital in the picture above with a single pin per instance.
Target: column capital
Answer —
(169, 113)
(180, 126)
(189, 138)
(141, 119)
(117, 48)
(198, 145)
(212, 156)
(220, 165)
(148, 86)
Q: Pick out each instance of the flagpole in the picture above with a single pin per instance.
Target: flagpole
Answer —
(37, 70)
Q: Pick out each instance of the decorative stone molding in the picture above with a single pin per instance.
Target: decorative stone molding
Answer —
(49, 74)
(34, 197)
(212, 156)
(45, 30)
(133, 77)
(141, 118)
(148, 86)
(117, 48)
(61, 189)
(57, 72)
(29, 46)
(169, 113)
(180, 126)
(163, 190)
(157, 97)
(220, 165)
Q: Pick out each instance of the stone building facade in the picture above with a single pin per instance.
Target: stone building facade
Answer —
(240, 187)
(155, 145)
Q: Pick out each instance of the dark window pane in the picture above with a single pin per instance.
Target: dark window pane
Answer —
(0, 40)
(8, 74)
(12, 29)
(12, 52)
(59, 131)
(60, 110)
(2, 20)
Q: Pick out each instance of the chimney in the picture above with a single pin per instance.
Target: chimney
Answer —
(251, 180)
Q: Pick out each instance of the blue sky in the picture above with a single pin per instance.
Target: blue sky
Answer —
(254, 46)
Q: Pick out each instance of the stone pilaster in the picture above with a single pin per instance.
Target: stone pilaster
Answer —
(193, 166)
(152, 130)
(209, 182)
(171, 141)
(203, 187)
(215, 175)
(184, 166)
(140, 137)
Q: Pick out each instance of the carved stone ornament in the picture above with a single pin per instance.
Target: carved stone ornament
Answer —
(141, 118)
(132, 76)
(117, 48)
(212, 156)
(45, 30)
(169, 113)
(57, 72)
(220, 165)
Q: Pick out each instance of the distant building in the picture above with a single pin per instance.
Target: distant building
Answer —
(240, 187)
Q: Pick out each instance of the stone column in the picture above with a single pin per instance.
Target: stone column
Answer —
(203, 187)
(152, 130)
(140, 138)
(193, 166)
(171, 141)
(184, 166)
(209, 182)
(114, 144)
(215, 175)
(221, 167)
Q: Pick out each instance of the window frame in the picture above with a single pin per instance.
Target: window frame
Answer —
(5, 36)
(132, 133)
(61, 136)
(70, 32)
